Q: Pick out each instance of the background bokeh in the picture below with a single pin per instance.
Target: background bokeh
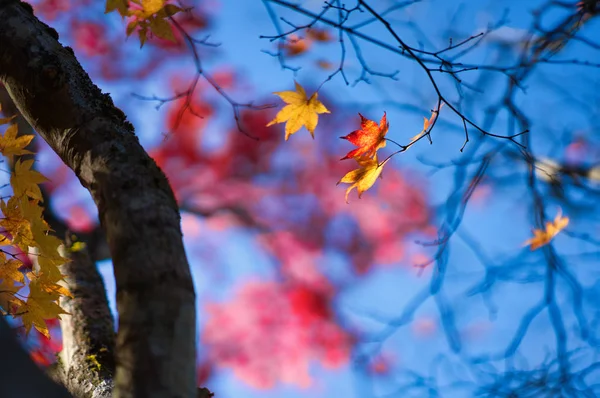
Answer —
(424, 286)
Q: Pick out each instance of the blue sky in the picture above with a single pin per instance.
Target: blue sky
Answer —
(499, 225)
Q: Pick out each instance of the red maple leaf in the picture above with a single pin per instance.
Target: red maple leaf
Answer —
(369, 138)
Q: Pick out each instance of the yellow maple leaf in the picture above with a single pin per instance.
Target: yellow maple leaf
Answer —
(30, 210)
(49, 267)
(364, 177)
(543, 237)
(9, 269)
(15, 224)
(149, 8)
(10, 145)
(152, 6)
(9, 304)
(300, 111)
(150, 16)
(48, 244)
(25, 181)
(40, 305)
(4, 120)
(51, 287)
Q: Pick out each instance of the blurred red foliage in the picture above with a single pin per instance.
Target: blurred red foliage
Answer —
(270, 332)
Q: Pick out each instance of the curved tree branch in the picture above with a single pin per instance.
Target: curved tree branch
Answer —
(87, 359)
(155, 346)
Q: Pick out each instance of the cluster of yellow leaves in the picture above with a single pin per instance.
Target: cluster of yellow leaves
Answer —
(369, 138)
(23, 227)
(543, 237)
(147, 16)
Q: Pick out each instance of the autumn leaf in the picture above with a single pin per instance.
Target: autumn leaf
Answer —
(168, 11)
(364, 177)
(295, 46)
(131, 27)
(300, 111)
(15, 223)
(119, 5)
(152, 6)
(8, 302)
(25, 181)
(41, 304)
(10, 145)
(143, 35)
(427, 123)
(9, 269)
(324, 64)
(161, 28)
(49, 287)
(543, 237)
(25, 228)
(48, 258)
(369, 138)
(321, 35)
(150, 16)
(4, 120)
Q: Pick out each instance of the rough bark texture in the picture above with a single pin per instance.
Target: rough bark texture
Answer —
(86, 365)
(87, 362)
(155, 346)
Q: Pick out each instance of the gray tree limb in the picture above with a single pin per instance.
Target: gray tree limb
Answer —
(87, 361)
(155, 345)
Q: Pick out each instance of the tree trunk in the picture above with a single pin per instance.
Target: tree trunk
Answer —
(155, 345)
(86, 363)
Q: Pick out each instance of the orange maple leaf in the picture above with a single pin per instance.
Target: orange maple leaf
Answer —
(427, 123)
(369, 138)
(543, 237)
(364, 177)
(324, 64)
(296, 45)
(317, 34)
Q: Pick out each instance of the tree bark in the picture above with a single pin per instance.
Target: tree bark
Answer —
(87, 363)
(155, 345)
